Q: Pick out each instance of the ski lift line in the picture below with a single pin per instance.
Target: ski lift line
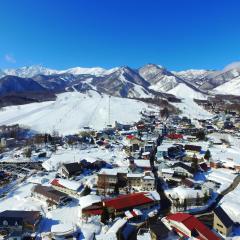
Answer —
(94, 111)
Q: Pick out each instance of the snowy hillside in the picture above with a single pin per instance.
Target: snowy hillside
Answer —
(193, 75)
(188, 107)
(232, 87)
(72, 111)
(161, 79)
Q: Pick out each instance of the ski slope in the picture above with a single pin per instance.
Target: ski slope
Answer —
(188, 106)
(72, 111)
(232, 87)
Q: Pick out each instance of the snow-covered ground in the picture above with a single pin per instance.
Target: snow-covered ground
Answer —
(91, 155)
(188, 107)
(222, 176)
(73, 110)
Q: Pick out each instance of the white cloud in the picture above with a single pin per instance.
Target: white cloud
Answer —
(9, 58)
(232, 65)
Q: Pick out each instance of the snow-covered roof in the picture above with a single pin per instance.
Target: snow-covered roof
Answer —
(73, 185)
(142, 163)
(117, 225)
(167, 170)
(88, 200)
(61, 229)
(107, 171)
(148, 178)
(134, 175)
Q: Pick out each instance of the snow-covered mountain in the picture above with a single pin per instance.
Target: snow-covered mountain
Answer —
(34, 70)
(195, 76)
(146, 81)
(160, 79)
(231, 87)
(13, 84)
(218, 78)
(124, 82)
(96, 71)
(28, 72)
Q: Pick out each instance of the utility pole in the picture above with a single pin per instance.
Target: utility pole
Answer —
(109, 110)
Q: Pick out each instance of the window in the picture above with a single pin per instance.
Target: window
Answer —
(219, 225)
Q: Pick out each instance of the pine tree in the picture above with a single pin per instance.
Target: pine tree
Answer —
(116, 189)
(207, 155)
(105, 216)
(205, 197)
(28, 152)
(195, 163)
(201, 135)
(185, 204)
(197, 199)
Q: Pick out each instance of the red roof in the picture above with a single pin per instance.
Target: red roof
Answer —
(140, 126)
(193, 224)
(56, 183)
(93, 211)
(175, 136)
(128, 201)
(130, 137)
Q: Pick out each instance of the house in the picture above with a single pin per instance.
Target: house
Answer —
(19, 221)
(187, 182)
(134, 180)
(132, 139)
(162, 151)
(175, 151)
(175, 136)
(8, 142)
(71, 188)
(141, 181)
(148, 182)
(192, 148)
(143, 165)
(123, 203)
(188, 226)
(166, 173)
(69, 170)
(146, 155)
(215, 163)
(222, 223)
(109, 178)
(183, 170)
(49, 195)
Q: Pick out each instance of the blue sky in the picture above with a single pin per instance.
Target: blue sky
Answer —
(178, 34)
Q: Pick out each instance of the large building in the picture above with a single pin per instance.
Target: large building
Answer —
(222, 223)
(188, 226)
(123, 203)
(19, 221)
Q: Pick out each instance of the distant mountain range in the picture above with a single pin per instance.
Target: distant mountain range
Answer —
(147, 81)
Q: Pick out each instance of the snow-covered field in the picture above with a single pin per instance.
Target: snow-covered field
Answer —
(91, 155)
(73, 111)
(188, 107)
